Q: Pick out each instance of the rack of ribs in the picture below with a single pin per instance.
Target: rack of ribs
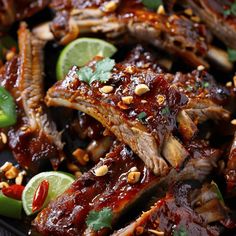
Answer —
(188, 209)
(151, 115)
(34, 138)
(117, 182)
(11, 11)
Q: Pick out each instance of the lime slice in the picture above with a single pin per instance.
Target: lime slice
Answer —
(80, 52)
(58, 183)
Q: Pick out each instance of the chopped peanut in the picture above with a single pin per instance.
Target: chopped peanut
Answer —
(161, 10)
(3, 138)
(4, 185)
(196, 19)
(19, 179)
(160, 99)
(7, 166)
(140, 89)
(127, 99)
(122, 106)
(12, 173)
(200, 68)
(106, 89)
(234, 80)
(233, 122)
(81, 156)
(101, 171)
(10, 55)
(188, 11)
(133, 177)
(229, 84)
(110, 6)
(129, 70)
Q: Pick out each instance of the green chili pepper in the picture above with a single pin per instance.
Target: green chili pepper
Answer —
(7, 109)
(10, 207)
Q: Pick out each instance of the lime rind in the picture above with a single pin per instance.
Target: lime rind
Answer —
(58, 183)
(80, 52)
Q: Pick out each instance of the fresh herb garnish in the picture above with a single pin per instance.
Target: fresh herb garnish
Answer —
(231, 10)
(141, 116)
(231, 54)
(217, 190)
(152, 4)
(101, 73)
(180, 232)
(205, 84)
(100, 219)
(165, 111)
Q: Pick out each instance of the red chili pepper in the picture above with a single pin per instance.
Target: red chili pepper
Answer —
(13, 191)
(40, 195)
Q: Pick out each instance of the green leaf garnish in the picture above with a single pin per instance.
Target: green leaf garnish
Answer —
(141, 116)
(205, 85)
(217, 190)
(105, 65)
(231, 54)
(180, 232)
(100, 219)
(152, 4)
(165, 111)
(231, 10)
(102, 71)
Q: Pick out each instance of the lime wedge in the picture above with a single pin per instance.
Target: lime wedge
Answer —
(58, 183)
(80, 51)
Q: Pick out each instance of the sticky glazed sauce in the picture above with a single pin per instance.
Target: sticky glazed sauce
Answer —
(31, 148)
(91, 192)
(160, 117)
(167, 217)
(174, 29)
(200, 85)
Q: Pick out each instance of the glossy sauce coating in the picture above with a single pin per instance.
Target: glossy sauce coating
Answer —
(159, 119)
(67, 214)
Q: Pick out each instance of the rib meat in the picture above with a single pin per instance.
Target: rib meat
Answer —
(178, 212)
(212, 12)
(11, 11)
(230, 173)
(160, 107)
(129, 19)
(67, 214)
(34, 138)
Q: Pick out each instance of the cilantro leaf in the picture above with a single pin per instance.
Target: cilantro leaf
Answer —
(152, 4)
(105, 65)
(205, 84)
(231, 10)
(100, 219)
(181, 231)
(102, 71)
(141, 116)
(231, 54)
(85, 74)
(165, 111)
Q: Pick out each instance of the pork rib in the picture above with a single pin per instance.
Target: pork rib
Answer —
(34, 137)
(213, 13)
(11, 11)
(67, 214)
(177, 212)
(160, 107)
